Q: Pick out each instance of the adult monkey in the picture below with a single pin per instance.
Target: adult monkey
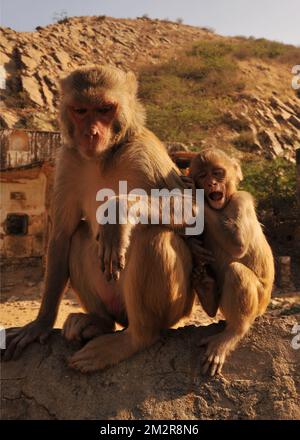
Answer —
(106, 141)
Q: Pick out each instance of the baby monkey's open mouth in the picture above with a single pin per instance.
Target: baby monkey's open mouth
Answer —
(216, 195)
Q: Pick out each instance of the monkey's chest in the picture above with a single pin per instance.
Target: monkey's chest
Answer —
(99, 189)
(95, 195)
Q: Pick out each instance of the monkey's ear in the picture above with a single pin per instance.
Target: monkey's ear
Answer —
(131, 83)
(238, 170)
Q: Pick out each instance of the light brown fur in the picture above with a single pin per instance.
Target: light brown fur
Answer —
(243, 260)
(153, 289)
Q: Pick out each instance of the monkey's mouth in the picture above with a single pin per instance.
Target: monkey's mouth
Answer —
(92, 145)
(216, 196)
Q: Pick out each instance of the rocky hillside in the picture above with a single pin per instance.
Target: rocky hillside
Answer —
(35, 60)
(254, 111)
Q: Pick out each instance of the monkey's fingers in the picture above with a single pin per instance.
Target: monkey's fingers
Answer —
(27, 340)
(213, 364)
(17, 345)
(188, 182)
(200, 252)
(73, 326)
(11, 343)
(214, 356)
(11, 333)
(205, 367)
(208, 365)
(117, 262)
(220, 367)
(197, 273)
(91, 332)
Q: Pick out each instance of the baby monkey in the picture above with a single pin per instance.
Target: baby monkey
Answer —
(241, 272)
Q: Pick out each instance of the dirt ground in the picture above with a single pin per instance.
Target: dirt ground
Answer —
(20, 305)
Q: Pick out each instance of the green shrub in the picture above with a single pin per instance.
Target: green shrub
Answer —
(272, 183)
(265, 49)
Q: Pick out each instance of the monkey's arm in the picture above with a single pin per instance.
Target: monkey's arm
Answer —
(57, 274)
(161, 175)
(231, 227)
(66, 215)
(114, 239)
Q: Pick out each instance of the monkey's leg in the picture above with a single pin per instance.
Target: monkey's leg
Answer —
(239, 305)
(89, 284)
(157, 294)
(207, 291)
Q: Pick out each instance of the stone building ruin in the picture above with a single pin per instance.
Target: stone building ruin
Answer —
(27, 162)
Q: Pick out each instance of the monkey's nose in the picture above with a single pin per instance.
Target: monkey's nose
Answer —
(93, 131)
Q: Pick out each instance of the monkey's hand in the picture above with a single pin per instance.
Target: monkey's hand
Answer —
(18, 339)
(199, 252)
(188, 182)
(113, 241)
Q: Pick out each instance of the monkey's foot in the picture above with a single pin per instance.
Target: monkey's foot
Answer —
(82, 326)
(102, 352)
(217, 348)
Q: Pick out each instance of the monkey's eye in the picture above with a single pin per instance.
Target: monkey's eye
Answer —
(105, 109)
(202, 175)
(219, 173)
(80, 111)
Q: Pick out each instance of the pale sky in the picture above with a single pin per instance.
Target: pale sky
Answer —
(272, 19)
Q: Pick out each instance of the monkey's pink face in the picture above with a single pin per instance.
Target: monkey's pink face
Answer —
(93, 127)
(213, 181)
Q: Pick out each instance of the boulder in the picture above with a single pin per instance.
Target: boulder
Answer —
(8, 119)
(294, 121)
(268, 141)
(261, 380)
(31, 88)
